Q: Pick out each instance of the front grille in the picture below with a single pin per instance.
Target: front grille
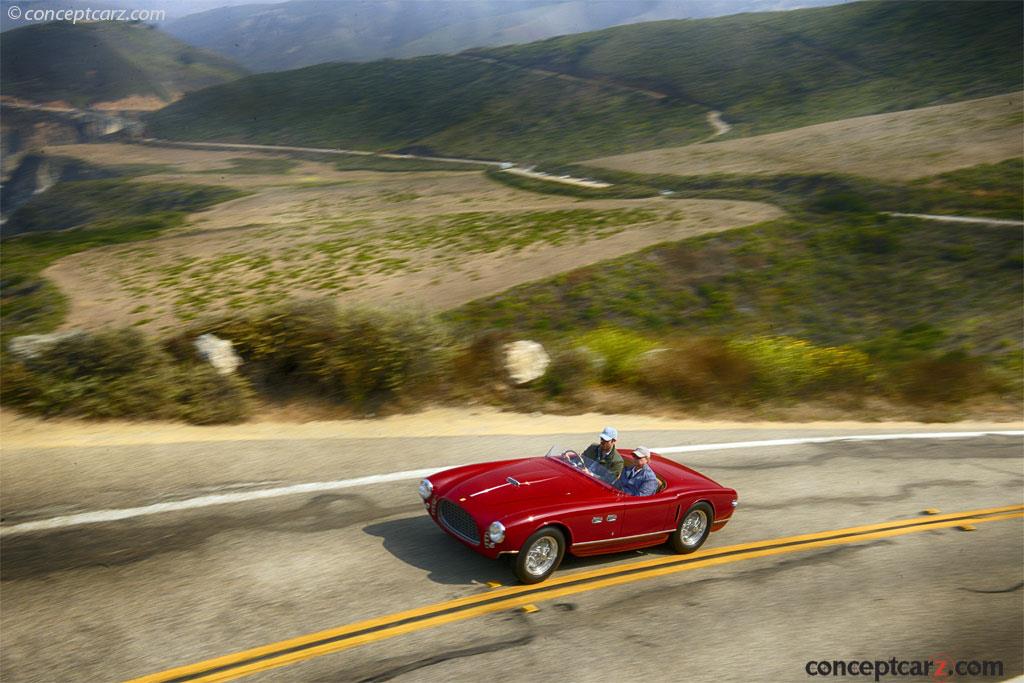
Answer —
(458, 521)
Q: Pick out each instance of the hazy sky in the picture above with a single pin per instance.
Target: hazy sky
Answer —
(178, 8)
(173, 8)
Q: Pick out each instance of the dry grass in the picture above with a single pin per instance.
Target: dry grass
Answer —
(897, 146)
(435, 239)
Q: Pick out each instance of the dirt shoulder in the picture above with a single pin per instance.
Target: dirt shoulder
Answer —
(20, 432)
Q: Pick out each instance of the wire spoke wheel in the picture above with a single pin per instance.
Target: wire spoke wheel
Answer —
(693, 528)
(540, 555)
(694, 524)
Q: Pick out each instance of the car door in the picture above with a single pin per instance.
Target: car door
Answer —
(595, 526)
(594, 517)
(646, 515)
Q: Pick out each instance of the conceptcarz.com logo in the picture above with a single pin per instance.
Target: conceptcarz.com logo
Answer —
(941, 668)
(79, 15)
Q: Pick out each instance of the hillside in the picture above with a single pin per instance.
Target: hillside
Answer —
(846, 277)
(896, 146)
(627, 88)
(778, 70)
(441, 105)
(301, 33)
(104, 63)
(309, 229)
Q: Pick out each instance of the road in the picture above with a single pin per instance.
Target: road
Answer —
(716, 122)
(309, 150)
(138, 596)
(568, 180)
(505, 166)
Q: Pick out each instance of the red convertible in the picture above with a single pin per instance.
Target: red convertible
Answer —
(537, 509)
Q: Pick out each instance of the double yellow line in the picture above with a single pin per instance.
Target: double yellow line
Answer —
(360, 633)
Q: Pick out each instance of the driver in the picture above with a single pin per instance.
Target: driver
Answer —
(604, 453)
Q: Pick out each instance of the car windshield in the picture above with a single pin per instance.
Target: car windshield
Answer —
(581, 463)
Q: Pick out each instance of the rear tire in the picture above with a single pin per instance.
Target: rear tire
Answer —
(540, 555)
(693, 528)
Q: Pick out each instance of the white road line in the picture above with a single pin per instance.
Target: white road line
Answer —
(206, 501)
(100, 516)
(828, 439)
(957, 219)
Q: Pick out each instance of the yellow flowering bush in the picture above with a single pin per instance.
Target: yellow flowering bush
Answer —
(785, 366)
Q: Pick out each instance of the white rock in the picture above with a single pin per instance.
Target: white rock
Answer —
(219, 353)
(525, 361)
(31, 345)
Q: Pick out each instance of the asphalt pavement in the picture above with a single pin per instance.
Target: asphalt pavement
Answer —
(137, 596)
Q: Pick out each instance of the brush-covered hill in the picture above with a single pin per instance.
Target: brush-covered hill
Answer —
(432, 105)
(291, 35)
(783, 69)
(627, 88)
(105, 62)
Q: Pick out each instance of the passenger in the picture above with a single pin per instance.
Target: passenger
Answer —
(605, 455)
(640, 479)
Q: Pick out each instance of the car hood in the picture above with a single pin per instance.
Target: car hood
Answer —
(541, 482)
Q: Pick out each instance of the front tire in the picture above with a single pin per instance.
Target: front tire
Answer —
(693, 528)
(540, 555)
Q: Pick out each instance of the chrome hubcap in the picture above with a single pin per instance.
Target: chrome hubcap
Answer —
(693, 527)
(541, 555)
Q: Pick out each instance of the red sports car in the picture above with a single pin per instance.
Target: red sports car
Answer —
(537, 509)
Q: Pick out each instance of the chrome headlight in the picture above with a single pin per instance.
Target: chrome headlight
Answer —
(496, 532)
(735, 502)
(426, 489)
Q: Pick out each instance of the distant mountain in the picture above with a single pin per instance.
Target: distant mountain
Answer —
(300, 33)
(108, 62)
(627, 88)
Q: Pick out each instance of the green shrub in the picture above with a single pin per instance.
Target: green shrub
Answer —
(1007, 372)
(905, 344)
(120, 374)
(873, 240)
(106, 354)
(358, 356)
(788, 367)
(17, 383)
(207, 397)
(618, 351)
(840, 202)
(570, 371)
(90, 203)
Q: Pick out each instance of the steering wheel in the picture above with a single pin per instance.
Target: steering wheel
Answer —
(575, 458)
